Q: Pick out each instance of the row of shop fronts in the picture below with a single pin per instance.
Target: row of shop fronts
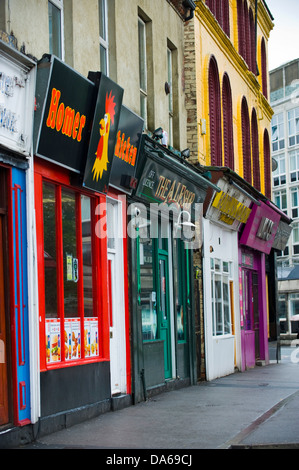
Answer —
(100, 226)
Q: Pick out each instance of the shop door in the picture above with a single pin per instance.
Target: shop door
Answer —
(116, 305)
(255, 309)
(164, 311)
(3, 354)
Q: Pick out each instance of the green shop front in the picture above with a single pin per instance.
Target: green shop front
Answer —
(165, 215)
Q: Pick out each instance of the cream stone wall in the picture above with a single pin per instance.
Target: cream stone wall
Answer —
(29, 22)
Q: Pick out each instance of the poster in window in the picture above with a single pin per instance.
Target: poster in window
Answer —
(72, 339)
(91, 337)
(53, 341)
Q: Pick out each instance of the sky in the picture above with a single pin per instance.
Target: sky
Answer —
(284, 38)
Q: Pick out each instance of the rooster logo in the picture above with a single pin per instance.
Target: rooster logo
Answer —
(101, 161)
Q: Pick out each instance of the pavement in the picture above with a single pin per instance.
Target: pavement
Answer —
(255, 409)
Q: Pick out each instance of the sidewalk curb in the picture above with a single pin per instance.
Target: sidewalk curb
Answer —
(236, 442)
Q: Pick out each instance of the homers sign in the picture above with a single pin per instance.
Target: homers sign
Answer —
(64, 111)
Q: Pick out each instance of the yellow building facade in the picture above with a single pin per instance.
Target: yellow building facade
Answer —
(247, 82)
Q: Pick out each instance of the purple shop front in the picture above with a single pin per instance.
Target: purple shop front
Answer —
(255, 244)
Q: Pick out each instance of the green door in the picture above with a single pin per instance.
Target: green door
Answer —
(164, 311)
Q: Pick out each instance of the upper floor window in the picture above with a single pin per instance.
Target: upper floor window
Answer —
(279, 175)
(255, 152)
(294, 166)
(142, 70)
(215, 114)
(295, 238)
(246, 141)
(267, 164)
(277, 125)
(264, 69)
(295, 202)
(293, 126)
(220, 9)
(280, 199)
(170, 96)
(228, 139)
(55, 13)
(104, 45)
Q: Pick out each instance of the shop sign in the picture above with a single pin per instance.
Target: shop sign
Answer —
(126, 151)
(159, 185)
(16, 101)
(261, 228)
(103, 135)
(282, 236)
(229, 207)
(64, 110)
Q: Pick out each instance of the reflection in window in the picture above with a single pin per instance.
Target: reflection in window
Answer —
(69, 254)
(220, 297)
(50, 250)
(87, 255)
(55, 42)
(148, 298)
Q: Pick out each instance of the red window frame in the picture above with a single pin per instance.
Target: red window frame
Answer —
(215, 114)
(61, 179)
(228, 140)
(255, 151)
(246, 141)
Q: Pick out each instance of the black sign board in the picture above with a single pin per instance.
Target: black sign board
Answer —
(159, 184)
(126, 151)
(64, 110)
(103, 135)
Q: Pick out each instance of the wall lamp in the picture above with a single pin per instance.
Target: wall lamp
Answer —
(158, 133)
(185, 154)
(186, 223)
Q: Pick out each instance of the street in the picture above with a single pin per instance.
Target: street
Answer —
(256, 408)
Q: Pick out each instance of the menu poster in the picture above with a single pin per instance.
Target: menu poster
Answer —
(53, 344)
(91, 342)
(72, 339)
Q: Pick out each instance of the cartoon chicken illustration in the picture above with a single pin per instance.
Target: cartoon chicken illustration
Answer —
(101, 161)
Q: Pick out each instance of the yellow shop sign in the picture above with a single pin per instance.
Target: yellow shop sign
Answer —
(231, 209)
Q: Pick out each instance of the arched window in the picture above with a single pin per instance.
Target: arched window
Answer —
(255, 151)
(227, 107)
(264, 68)
(252, 41)
(267, 164)
(241, 28)
(246, 141)
(215, 113)
(247, 50)
(225, 17)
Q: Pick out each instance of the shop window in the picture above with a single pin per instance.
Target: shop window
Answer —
(55, 14)
(279, 175)
(293, 127)
(277, 126)
(220, 297)
(71, 310)
(104, 44)
(148, 293)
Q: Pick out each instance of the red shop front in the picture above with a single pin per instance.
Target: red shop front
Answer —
(74, 116)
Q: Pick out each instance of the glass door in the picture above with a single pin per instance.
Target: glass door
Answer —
(164, 311)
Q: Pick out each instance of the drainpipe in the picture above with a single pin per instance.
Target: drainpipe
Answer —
(191, 5)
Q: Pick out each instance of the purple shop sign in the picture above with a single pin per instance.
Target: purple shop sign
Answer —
(261, 228)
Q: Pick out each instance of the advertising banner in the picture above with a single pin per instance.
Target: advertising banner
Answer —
(126, 151)
(103, 135)
(64, 111)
